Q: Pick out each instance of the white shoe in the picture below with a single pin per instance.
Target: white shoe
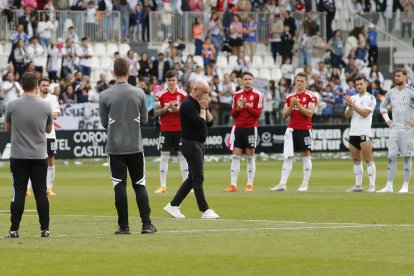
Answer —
(355, 188)
(210, 214)
(279, 188)
(404, 189)
(174, 211)
(303, 188)
(371, 189)
(386, 189)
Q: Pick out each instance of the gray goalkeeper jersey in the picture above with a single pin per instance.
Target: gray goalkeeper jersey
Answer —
(402, 104)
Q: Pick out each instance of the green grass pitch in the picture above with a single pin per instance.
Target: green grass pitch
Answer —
(322, 232)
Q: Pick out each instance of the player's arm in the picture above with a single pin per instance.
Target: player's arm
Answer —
(143, 112)
(49, 122)
(8, 127)
(307, 112)
(286, 111)
(363, 111)
(384, 111)
(103, 113)
(348, 112)
(235, 110)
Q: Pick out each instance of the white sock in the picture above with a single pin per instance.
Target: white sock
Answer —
(372, 172)
(358, 170)
(251, 169)
(50, 179)
(286, 169)
(29, 185)
(307, 169)
(235, 169)
(408, 166)
(165, 156)
(183, 166)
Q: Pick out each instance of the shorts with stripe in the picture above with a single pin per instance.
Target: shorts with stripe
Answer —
(357, 140)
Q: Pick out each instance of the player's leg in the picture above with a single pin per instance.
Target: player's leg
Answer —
(51, 151)
(287, 164)
(355, 150)
(304, 144)
(239, 145)
(251, 158)
(407, 151)
(393, 151)
(38, 175)
(366, 148)
(164, 148)
(118, 170)
(181, 158)
(407, 174)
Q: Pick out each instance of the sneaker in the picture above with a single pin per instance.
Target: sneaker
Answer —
(210, 214)
(12, 235)
(303, 188)
(148, 229)
(371, 189)
(122, 231)
(279, 188)
(249, 188)
(28, 193)
(44, 234)
(174, 211)
(161, 190)
(355, 188)
(50, 192)
(404, 189)
(386, 189)
(231, 189)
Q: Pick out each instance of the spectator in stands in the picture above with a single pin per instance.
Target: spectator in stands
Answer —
(243, 64)
(19, 34)
(144, 67)
(9, 69)
(160, 67)
(351, 90)
(226, 90)
(174, 58)
(125, 13)
(81, 86)
(72, 35)
(299, 6)
(275, 32)
(150, 101)
(351, 70)
(286, 44)
(351, 43)
(196, 5)
(154, 87)
(321, 73)
(361, 51)
(49, 6)
(133, 68)
(29, 22)
(67, 97)
(306, 48)
(35, 53)
(107, 21)
(329, 100)
(356, 7)
(44, 29)
(6, 9)
(329, 9)
(52, 62)
(287, 70)
(180, 73)
(339, 106)
(336, 45)
(31, 5)
(390, 8)
(289, 21)
(149, 6)
(68, 58)
(85, 54)
(197, 74)
(90, 21)
(101, 84)
(209, 51)
(137, 22)
(208, 77)
(373, 74)
(372, 44)
(310, 23)
(228, 16)
(272, 7)
(10, 90)
(198, 33)
(268, 96)
(215, 30)
(407, 18)
(236, 35)
(334, 74)
(250, 38)
(20, 57)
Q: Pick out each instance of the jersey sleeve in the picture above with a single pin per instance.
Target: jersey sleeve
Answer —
(385, 103)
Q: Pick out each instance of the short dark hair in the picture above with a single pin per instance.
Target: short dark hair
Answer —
(43, 79)
(247, 73)
(121, 67)
(170, 74)
(84, 38)
(29, 82)
(302, 74)
(359, 77)
(400, 70)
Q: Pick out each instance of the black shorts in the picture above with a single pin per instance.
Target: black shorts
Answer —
(357, 140)
(245, 138)
(51, 147)
(236, 42)
(302, 140)
(169, 141)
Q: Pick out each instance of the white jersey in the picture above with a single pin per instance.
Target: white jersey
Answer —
(402, 104)
(362, 125)
(54, 103)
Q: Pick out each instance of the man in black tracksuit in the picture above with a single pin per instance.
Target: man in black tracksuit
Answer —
(122, 110)
(194, 118)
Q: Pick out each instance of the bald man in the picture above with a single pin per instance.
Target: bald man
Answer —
(195, 118)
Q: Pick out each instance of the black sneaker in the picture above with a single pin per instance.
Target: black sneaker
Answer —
(12, 235)
(148, 229)
(44, 233)
(122, 231)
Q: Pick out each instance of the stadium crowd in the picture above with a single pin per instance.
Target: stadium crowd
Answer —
(331, 64)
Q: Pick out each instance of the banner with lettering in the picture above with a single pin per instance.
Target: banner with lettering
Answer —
(78, 117)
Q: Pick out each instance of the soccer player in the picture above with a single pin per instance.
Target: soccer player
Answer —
(360, 108)
(299, 106)
(167, 107)
(122, 110)
(401, 99)
(246, 110)
(28, 118)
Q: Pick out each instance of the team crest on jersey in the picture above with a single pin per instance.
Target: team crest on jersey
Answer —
(303, 99)
(251, 97)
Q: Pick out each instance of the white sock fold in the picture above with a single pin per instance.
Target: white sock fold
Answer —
(251, 169)
(372, 173)
(286, 169)
(307, 169)
(183, 166)
(50, 179)
(358, 170)
(235, 169)
(165, 156)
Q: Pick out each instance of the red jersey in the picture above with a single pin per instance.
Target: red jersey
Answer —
(170, 121)
(249, 116)
(297, 119)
